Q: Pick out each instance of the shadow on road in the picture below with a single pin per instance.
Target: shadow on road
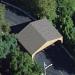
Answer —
(18, 28)
(16, 11)
(60, 58)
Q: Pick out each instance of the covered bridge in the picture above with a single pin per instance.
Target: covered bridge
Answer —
(38, 35)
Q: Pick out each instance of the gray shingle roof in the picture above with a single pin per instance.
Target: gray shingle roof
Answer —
(46, 29)
(38, 35)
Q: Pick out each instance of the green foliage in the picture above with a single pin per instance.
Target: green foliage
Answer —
(2, 12)
(4, 26)
(40, 8)
(64, 22)
(7, 44)
(21, 64)
(72, 4)
(47, 8)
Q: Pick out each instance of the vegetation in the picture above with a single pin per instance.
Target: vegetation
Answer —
(21, 64)
(46, 8)
(7, 44)
(5, 39)
(2, 13)
(40, 8)
(4, 26)
(64, 22)
(60, 12)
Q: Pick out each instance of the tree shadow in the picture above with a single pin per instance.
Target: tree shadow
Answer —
(5, 65)
(60, 58)
(17, 28)
(16, 9)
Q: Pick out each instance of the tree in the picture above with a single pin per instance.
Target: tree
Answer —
(65, 24)
(7, 44)
(2, 12)
(40, 8)
(4, 26)
(21, 64)
(47, 8)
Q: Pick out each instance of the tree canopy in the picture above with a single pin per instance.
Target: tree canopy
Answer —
(21, 64)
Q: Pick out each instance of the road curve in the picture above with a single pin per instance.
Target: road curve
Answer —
(26, 13)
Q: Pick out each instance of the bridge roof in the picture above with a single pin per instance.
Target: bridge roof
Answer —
(38, 35)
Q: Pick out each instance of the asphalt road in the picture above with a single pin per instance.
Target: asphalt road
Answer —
(56, 55)
(16, 17)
